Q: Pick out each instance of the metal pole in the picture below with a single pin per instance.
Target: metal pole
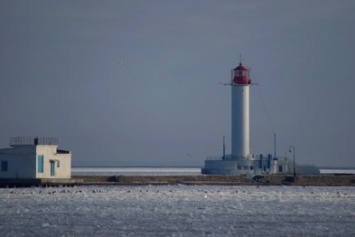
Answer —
(294, 159)
(224, 148)
(274, 145)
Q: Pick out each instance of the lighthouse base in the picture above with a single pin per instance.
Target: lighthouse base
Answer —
(258, 165)
(224, 167)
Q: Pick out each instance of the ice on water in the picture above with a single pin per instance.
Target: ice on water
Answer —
(178, 211)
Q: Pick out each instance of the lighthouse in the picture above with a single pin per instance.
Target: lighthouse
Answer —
(240, 83)
(241, 160)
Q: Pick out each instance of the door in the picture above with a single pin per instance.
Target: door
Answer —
(52, 168)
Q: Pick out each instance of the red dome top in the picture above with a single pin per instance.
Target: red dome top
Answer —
(241, 67)
(241, 75)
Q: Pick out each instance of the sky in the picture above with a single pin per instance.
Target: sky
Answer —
(138, 83)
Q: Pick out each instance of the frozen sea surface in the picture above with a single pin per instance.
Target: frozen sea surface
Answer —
(178, 211)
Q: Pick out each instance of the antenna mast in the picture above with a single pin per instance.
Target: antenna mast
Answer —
(224, 148)
(274, 145)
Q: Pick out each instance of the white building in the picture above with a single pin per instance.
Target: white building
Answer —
(34, 158)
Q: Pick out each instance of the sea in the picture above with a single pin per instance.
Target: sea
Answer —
(177, 210)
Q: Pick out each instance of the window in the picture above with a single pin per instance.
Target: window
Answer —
(4, 166)
(280, 168)
(58, 163)
(40, 162)
(52, 162)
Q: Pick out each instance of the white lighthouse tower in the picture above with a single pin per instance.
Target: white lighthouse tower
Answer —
(240, 83)
(241, 160)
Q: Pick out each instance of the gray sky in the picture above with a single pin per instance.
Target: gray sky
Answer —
(137, 82)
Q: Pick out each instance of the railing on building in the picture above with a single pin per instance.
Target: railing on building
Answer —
(232, 157)
(226, 157)
(22, 141)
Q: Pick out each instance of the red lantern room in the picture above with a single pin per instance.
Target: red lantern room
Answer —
(240, 75)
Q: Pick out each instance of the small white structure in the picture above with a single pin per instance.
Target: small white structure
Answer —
(34, 158)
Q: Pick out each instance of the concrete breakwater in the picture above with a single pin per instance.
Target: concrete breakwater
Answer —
(13, 183)
(168, 180)
(319, 180)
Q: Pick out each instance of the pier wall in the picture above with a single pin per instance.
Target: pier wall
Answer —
(184, 179)
(311, 180)
(314, 180)
(317, 180)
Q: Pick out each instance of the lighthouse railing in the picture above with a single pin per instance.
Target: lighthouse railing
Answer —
(227, 157)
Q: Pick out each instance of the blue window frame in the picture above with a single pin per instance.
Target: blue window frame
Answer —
(4, 166)
(40, 163)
